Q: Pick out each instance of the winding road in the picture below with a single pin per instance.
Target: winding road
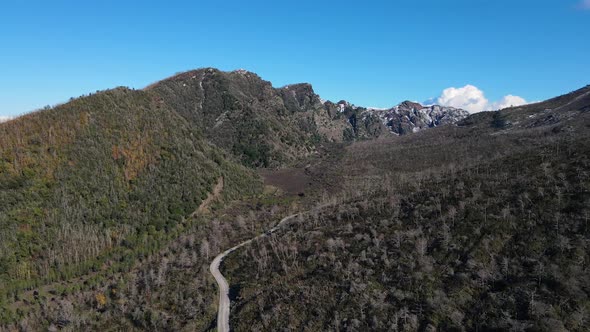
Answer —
(224, 303)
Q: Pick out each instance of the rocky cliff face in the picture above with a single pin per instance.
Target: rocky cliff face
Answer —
(409, 117)
(405, 118)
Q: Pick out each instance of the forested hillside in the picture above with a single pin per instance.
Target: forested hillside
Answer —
(91, 185)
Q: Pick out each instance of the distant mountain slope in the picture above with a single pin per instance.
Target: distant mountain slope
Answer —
(563, 112)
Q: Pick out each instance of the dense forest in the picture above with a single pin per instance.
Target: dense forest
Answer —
(113, 205)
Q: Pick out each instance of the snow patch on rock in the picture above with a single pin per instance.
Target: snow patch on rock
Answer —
(410, 117)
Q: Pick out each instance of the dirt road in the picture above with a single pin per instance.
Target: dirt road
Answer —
(224, 303)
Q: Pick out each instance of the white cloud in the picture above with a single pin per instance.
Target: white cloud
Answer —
(469, 98)
(4, 118)
(507, 101)
(472, 99)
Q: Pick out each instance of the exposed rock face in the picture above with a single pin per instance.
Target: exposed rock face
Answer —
(299, 97)
(409, 117)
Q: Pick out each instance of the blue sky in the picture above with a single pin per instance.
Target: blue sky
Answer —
(371, 53)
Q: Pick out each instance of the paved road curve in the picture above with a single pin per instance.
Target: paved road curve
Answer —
(224, 303)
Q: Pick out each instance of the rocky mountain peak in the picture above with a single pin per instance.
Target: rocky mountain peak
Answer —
(411, 117)
(300, 96)
(409, 105)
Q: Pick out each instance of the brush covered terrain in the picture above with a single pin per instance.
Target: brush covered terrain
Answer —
(113, 205)
(473, 227)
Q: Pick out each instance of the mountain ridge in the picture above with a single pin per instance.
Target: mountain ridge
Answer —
(286, 122)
